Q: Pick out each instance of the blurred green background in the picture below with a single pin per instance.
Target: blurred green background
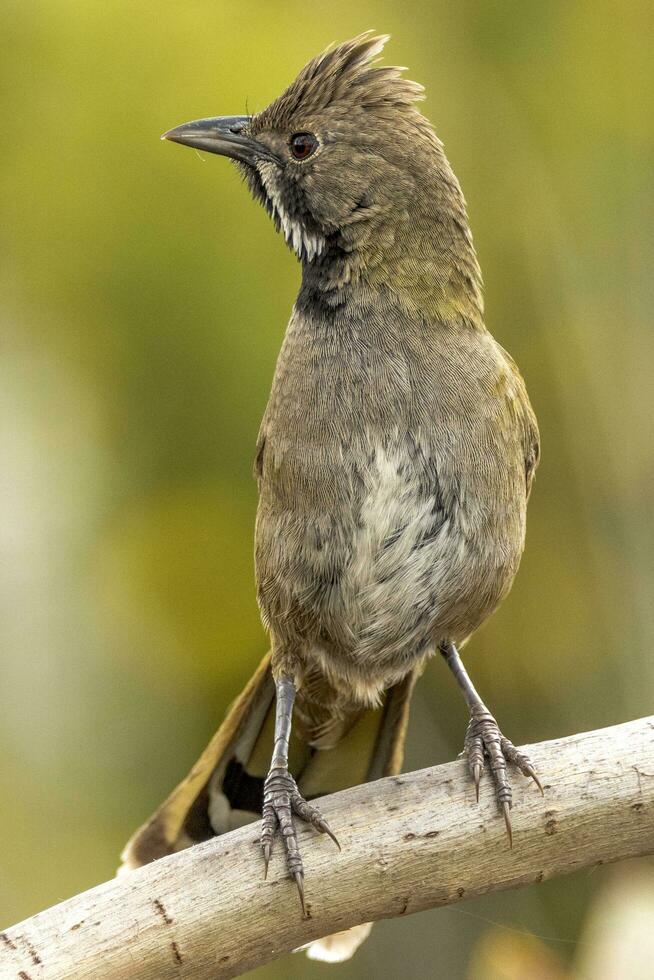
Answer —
(143, 298)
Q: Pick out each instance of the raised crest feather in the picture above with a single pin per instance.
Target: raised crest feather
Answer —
(344, 74)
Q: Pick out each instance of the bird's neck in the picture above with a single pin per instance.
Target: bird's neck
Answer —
(421, 252)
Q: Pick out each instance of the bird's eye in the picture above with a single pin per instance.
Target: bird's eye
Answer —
(303, 145)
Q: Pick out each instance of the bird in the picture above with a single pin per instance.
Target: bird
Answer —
(394, 463)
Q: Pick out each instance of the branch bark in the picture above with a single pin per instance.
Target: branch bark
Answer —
(410, 842)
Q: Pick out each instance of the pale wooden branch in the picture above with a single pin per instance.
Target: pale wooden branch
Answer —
(409, 843)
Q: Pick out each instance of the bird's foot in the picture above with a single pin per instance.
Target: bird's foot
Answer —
(281, 800)
(485, 740)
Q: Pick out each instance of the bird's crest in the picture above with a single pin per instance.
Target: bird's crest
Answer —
(344, 75)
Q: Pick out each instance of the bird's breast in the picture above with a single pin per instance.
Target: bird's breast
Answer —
(392, 497)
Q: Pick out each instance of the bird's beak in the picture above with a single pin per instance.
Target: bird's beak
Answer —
(225, 135)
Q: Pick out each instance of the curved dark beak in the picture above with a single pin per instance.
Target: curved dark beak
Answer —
(225, 135)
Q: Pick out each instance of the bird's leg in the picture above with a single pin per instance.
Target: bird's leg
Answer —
(281, 797)
(484, 738)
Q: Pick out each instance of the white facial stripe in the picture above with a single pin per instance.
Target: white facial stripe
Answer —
(304, 244)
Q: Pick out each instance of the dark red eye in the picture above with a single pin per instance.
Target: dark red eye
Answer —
(303, 145)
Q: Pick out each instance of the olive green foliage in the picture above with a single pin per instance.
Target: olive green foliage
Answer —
(143, 298)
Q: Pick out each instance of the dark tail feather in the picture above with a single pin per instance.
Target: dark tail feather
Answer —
(224, 789)
(184, 817)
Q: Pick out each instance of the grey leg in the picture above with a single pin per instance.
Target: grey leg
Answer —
(484, 738)
(281, 797)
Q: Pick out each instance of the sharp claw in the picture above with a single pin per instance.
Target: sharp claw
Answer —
(267, 851)
(476, 773)
(531, 772)
(507, 820)
(325, 829)
(299, 881)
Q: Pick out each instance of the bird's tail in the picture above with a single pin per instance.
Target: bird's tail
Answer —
(224, 789)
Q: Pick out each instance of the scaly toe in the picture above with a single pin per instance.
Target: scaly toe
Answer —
(311, 814)
(282, 803)
(484, 740)
(520, 761)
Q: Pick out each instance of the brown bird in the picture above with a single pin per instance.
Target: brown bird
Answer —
(394, 461)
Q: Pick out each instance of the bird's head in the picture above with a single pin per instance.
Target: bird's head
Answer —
(356, 179)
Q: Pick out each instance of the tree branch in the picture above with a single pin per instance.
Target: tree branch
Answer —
(410, 842)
